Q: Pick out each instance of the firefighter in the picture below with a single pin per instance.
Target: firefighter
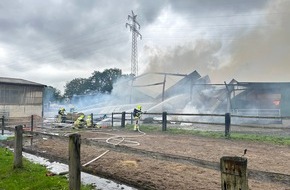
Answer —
(61, 115)
(137, 115)
(80, 122)
(89, 121)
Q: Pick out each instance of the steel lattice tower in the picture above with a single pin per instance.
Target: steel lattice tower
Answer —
(135, 34)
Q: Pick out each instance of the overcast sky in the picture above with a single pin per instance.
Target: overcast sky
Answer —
(54, 41)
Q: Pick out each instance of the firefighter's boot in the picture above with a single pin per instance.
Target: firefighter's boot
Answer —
(136, 127)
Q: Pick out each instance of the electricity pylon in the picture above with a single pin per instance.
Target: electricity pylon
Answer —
(135, 35)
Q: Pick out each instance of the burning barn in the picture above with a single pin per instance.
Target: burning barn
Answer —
(264, 98)
(260, 99)
(20, 98)
(195, 94)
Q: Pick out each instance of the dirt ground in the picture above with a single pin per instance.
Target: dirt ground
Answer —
(145, 171)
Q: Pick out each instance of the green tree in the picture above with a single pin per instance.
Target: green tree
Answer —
(77, 86)
(52, 94)
(99, 82)
(103, 82)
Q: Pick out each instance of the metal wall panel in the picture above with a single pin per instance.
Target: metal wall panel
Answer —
(21, 100)
(20, 95)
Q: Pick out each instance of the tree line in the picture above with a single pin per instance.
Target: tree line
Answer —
(98, 82)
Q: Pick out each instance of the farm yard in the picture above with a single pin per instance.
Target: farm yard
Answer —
(209, 81)
(162, 160)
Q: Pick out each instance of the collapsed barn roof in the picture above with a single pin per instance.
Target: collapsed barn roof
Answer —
(193, 90)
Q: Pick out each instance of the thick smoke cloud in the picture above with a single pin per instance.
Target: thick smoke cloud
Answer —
(256, 52)
(198, 56)
(262, 53)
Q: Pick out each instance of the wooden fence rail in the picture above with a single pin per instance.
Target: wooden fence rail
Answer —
(165, 121)
(164, 115)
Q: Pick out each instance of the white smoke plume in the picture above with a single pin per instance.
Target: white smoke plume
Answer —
(261, 54)
(199, 55)
(257, 53)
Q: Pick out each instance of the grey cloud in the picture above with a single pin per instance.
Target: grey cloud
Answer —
(74, 33)
(70, 29)
(149, 10)
(208, 7)
(75, 30)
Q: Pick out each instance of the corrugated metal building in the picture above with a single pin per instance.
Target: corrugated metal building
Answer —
(20, 98)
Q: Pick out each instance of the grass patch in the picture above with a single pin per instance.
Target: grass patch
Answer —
(31, 176)
(195, 132)
(262, 138)
(144, 128)
(213, 134)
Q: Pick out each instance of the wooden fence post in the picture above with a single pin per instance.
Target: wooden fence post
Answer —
(18, 147)
(234, 175)
(112, 119)
(3, 125)
(123, 119)
(227, 124)
(92, 119)
(74, 162)
(164, 121)
(31, 128)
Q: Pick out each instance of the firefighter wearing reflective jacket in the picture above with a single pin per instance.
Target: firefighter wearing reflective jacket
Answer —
(80, 122)
(137, 115)
(89, 121)
(61, 115)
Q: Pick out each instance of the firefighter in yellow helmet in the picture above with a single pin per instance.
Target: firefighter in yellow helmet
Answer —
(80, 122)
(137, 115)
(61, 115)
(89, 121)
